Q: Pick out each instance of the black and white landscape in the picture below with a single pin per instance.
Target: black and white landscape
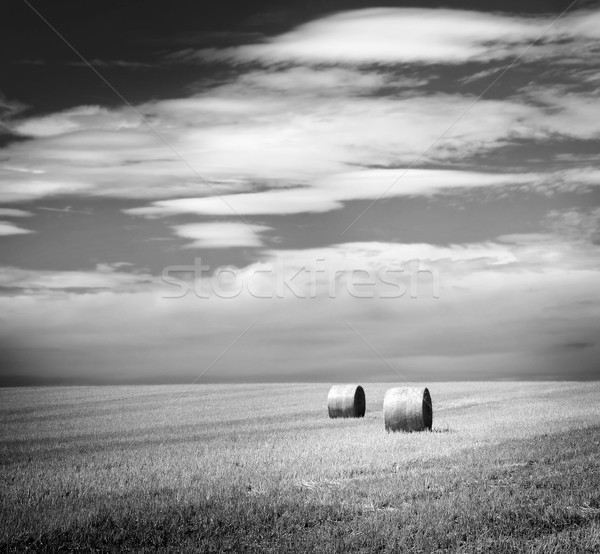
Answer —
(210, 213)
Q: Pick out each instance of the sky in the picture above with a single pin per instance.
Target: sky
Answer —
(332, 191)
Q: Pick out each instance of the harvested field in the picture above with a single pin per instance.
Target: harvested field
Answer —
(508, 467)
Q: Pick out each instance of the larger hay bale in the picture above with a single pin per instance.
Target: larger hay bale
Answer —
(407, 409)
(346, 401)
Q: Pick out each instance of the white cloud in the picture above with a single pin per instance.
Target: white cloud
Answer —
(301, 131)
(329, 193)
(289, 201)
(20, 186)
(76, 119)
(562, 112)
(12, 212)
(408, 35)
(471, 266)
(320, 81)
(576, 223)
(7, 229)
(105, 276)
(221, 234)
(378, 270)
(8, 110)
(248, 132)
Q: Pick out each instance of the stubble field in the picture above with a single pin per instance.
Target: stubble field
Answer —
(509, 467)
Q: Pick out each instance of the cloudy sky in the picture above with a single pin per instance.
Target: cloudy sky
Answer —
(331, 191)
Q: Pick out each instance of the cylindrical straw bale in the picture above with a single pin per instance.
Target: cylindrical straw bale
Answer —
(346, 401)
(407, 409)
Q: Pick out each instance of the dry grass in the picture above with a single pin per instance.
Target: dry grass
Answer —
(176, 468)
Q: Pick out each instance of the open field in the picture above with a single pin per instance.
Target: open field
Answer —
(509, 467)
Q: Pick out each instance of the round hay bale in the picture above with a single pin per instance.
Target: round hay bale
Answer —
(407, 409)
(346, 401)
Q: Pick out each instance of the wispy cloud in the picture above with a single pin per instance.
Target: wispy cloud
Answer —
(7, 229)
(221, 234)
(126, 64)
(576, 223)
(300, 129)
(105, 276)
(8, 110)
(13, 212)
(235, 137)
(409, 35)
(65, 210)
(329, 193)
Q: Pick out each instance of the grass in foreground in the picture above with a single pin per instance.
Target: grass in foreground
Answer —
(510, 468)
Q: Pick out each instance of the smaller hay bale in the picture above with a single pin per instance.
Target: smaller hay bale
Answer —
(346, 401)
(407, 409)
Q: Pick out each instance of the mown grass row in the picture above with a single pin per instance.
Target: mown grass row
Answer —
(536, 495)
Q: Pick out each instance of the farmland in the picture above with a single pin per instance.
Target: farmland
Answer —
(508, 467)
